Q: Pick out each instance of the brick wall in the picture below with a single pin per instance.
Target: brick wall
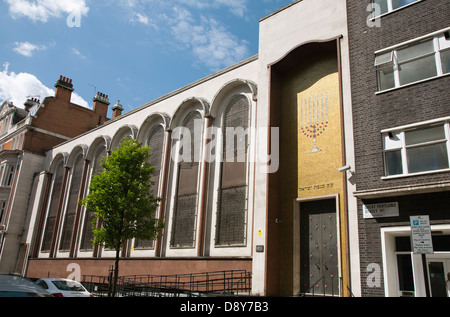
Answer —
(416, 103)
(63, 119)
(434, 204)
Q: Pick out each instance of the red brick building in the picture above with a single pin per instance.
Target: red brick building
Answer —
(25, 135)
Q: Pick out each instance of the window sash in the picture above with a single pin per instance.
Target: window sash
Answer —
(397, 4)
(393, 162)
(387, 6)
(445, 61)
(420, 63)
(416, 51)
(425, 135)
(429, 157)
(2, 210)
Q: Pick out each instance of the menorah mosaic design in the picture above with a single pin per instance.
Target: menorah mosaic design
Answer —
(314, 118)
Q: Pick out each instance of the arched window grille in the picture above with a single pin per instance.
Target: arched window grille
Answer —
(74, 191)
(185, 208)
(88, 235)
(53, 208)
(156, 144)
(231, 221)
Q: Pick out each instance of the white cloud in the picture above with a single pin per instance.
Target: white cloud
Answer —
(237, 7)
(142, 18)
(18, 87)
(27, 48)
(42, 10)
(211, 43)
(189, 25)
(78, 53)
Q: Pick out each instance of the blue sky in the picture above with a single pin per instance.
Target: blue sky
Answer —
(132, 50)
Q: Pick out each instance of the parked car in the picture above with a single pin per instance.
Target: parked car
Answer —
(61, 287)
(17, 286)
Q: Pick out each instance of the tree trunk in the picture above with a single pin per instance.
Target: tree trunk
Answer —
(116, 272)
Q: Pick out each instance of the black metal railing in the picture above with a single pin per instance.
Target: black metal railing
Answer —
(324, 288)
(222, 283)
(325, 291)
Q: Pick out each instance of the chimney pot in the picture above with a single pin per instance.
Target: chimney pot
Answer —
(64, 88)
(101, 104)
(117, 109)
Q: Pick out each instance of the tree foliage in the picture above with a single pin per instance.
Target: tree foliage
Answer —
(121, 199)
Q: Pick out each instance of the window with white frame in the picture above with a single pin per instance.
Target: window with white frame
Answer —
(9, 175)
(386, 6)
(416, 61)
(416, 150)
(2, 210)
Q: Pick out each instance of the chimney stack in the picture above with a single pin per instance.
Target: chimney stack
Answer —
(64, 89)
(30, 103)
(117, 109)
(101, 103)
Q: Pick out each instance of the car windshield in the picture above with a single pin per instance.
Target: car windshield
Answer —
(68, 286)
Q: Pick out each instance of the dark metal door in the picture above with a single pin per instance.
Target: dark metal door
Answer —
(319, 252)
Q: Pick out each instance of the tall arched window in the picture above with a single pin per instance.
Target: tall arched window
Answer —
(74, 191)
(185, 208)
(156, 144)
(88, 235)
(231, 223)
(53, 208)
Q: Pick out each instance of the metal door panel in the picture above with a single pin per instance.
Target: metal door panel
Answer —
(319, 265)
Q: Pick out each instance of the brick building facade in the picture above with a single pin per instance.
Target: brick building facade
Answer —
(26, 133)
(230, 214)
(400, 66)
(349, 137)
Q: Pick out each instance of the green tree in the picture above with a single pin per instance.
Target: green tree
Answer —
(121, 200)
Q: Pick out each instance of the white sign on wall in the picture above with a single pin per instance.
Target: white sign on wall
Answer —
(380, 210)
(421, 234)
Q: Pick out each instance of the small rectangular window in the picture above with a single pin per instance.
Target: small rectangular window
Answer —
(416, 70)
(415, 51)
(425, 135)
(386, 78)
(383, 59)
(394, 162)
(9, 176)
(427, 158)
(445, 61)
(2, 210)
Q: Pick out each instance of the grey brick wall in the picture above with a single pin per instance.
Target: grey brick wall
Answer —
(419, 102)
(436, 205)
(372, 113)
